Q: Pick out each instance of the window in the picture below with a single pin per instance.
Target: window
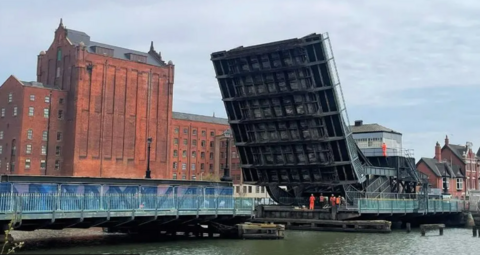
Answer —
(249, 189)
(211, 144)
(29, 149)
(175, 141)
(445, 182)
(221, 166)
(202, 154)
(212, 133)
(211, 155)
(237, 189)
(45, 113)
(174, 176)
(257, 189)
(204, 133)
(174, 165)
(175, 153)
(202, 166)
(30, 111)
(44, 150)
(203, 143)
(184, 154)
(10, 97)
(176, 130)
(184, 166)
(185, 141)
(59, 55)
(60, 114)
(194, 132)
(29, 134)
(194, 177)
(15, 111)
(185, 130)
(234, 154)
(42, 164)
(183, 177)
(59, 136)
(459, 184)
(32, 97)
(3, 112)
(1, 149)
(263, 189)
(57, 150)
(44, 136)
(244, 189)
(222, 155)
(1, 135)
(194, 142)
(60, 100)
(57, 164)
(58, 72)
(210, 167)
(27, 163)
(194, 154)
(47, 99)
(193, 166)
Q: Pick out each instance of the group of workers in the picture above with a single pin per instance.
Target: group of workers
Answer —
(334, 201)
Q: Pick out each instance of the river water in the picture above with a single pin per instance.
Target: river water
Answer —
(454, 241)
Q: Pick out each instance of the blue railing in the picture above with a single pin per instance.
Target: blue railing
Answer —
(382, 205)
(69, 202)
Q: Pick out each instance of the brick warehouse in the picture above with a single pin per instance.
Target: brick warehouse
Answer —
(198, 148)
(106, 101)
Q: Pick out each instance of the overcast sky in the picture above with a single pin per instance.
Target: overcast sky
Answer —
(413, 66)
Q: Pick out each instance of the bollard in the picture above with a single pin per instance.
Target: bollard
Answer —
(423, 231)
(474, 231)
(440, 231)
(409, 227)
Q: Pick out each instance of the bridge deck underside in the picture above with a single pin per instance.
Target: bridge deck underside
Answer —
(286, 114)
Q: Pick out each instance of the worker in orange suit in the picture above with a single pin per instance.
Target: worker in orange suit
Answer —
(384, 149)
(312, 202)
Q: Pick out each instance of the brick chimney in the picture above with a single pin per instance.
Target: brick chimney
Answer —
(438, 152)
(446, 140)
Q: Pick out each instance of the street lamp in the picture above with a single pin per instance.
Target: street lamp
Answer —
(226, 171)
(147, 173)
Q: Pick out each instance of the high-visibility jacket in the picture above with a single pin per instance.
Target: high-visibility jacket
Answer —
(338, 200)
(384, 149)
(312, 199)
(321, 198)
(332, 200)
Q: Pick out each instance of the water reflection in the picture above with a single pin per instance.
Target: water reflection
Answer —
(454, 241)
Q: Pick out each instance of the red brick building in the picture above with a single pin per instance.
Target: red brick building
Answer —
(454, 165)
(27, 111)
(198, 147)
(112, 100)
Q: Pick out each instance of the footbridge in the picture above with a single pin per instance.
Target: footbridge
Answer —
(44, 202)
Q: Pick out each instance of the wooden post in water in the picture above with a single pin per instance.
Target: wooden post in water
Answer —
(440, 231)
(474, 231)
(409, 227)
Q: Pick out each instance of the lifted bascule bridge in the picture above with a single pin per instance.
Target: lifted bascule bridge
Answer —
(290, 124)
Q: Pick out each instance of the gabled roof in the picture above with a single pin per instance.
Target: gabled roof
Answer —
(441, 169)
(199, 118)
(76, 37)
(370, 128)
(457, 150)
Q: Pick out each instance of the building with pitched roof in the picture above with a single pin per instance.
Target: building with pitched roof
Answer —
(106, 101)
(454, 167)
(370, 137)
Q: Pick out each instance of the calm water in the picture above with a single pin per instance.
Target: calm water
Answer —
(454, 241)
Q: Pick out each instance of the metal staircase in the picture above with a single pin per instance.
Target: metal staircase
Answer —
(411, 167)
